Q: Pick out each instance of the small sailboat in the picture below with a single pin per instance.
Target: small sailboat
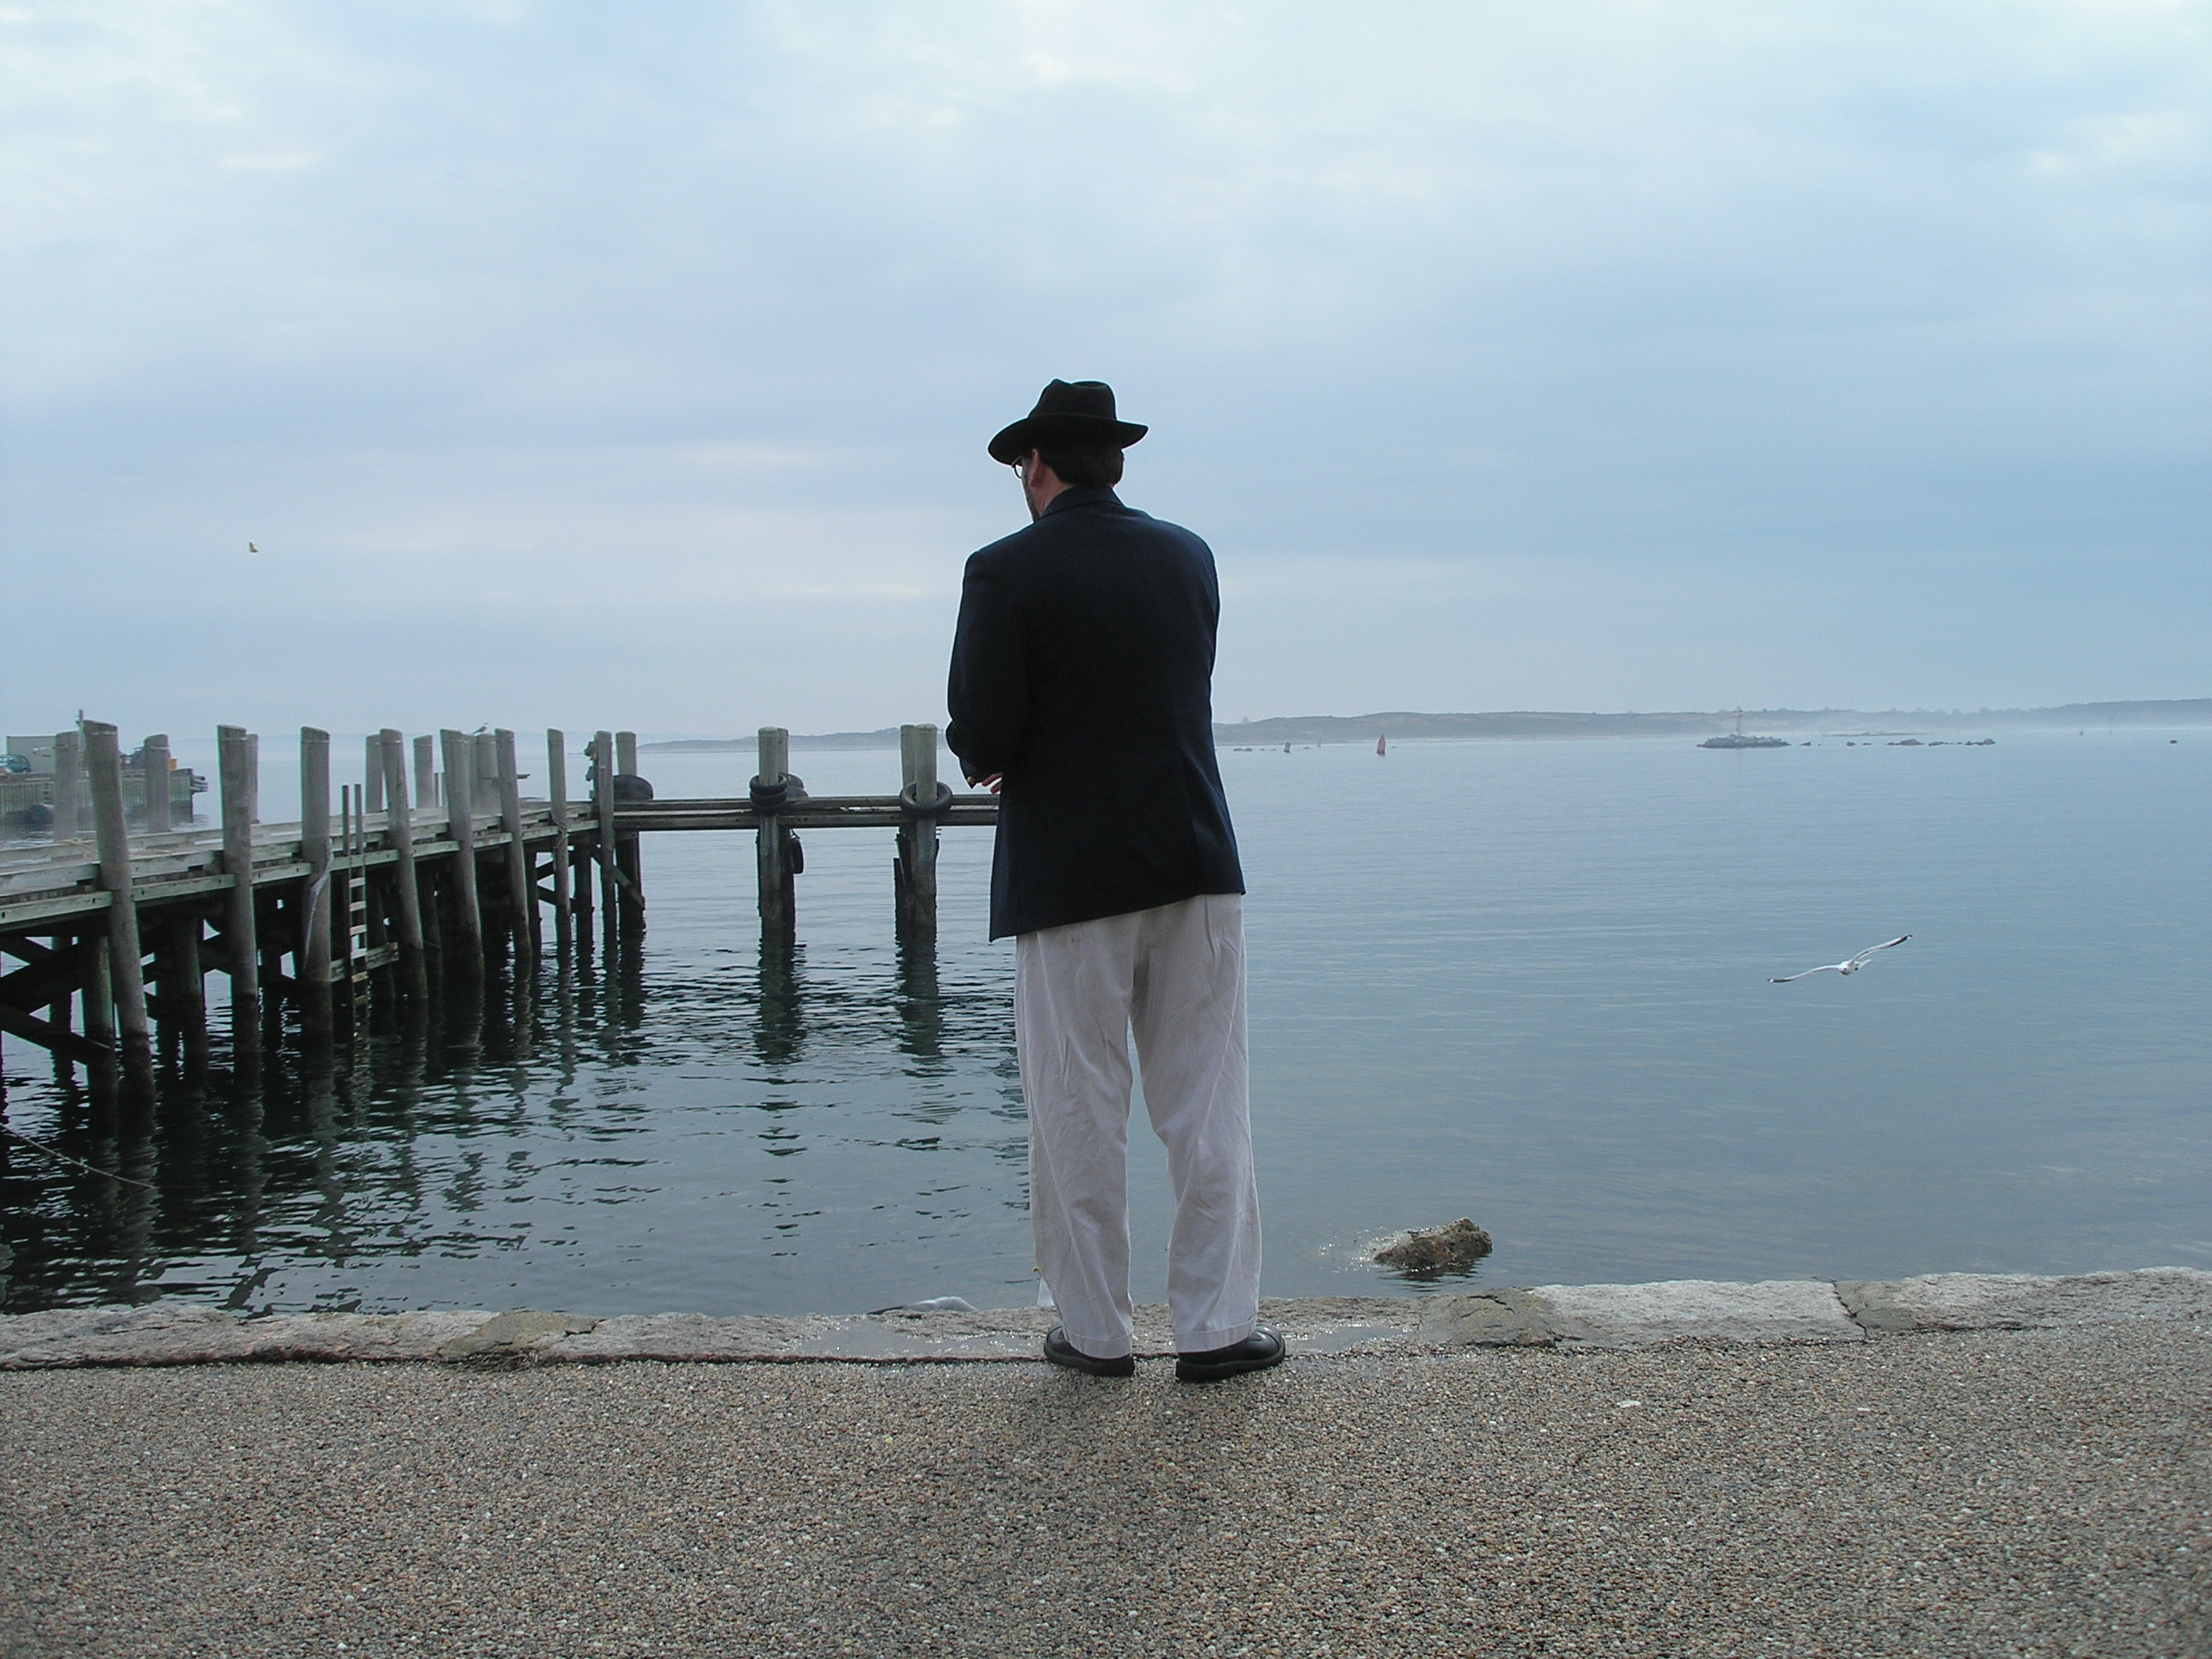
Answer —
(1382, 744)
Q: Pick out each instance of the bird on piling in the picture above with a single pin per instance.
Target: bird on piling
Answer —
(1850, 967)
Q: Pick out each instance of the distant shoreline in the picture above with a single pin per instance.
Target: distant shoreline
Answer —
(1410, 725)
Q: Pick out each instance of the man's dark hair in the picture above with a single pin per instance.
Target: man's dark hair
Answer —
(1086, 466)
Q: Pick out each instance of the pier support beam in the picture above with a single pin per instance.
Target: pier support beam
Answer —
(468, 952)
(426, 772)
(126, 962)
(629, 851)
(580, 866)
(236, 764)
(183, 986)
(484, 750)
(154, 754)
(316, 1016)
(922, 802)
(521, 891)
(68, 785)
(603, 841)
(556, 790)
(99, 994)
(778, 853)
(399, 834)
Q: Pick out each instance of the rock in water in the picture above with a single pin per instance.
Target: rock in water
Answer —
(1449, 1249)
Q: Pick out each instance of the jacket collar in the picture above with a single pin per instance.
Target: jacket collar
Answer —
(1076, 496)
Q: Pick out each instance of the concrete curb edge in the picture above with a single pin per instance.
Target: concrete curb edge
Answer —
(1566, 1317)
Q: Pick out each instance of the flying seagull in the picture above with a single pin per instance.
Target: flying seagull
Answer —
(251, 548)
(1850, 967)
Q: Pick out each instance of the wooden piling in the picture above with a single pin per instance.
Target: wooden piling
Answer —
(126, 961)
(183, 986)
(483, 747)
(459, 753)
(154, 754)
(921, 802)
(99, 991)
(520, 890)
(316, 1015)
(426, 772)
(235, 758)
(484, 752)
(603, 839)
(371, 771)
(275, 915)
(580, 867)
(775, 846)
(556, 790)
(69, 785)
(400, 836)
(629, 854)
(61, 1012)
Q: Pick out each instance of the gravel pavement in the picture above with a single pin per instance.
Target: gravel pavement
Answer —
(2024, 1491)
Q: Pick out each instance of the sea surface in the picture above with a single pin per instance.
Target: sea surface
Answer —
(1523, 982)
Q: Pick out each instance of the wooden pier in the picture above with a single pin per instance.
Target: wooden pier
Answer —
(424, 875)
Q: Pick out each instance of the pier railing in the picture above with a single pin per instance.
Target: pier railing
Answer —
(436, 865)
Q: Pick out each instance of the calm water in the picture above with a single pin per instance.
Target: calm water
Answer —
(1524, 982)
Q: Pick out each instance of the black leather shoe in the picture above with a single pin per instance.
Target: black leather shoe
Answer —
(1059, 1350)
(1255, 1353)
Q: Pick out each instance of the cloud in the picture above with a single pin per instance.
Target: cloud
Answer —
(697, 312)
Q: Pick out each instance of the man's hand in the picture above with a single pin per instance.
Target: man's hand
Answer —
(992, 782)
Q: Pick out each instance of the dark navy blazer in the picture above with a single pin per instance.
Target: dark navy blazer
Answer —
(1083, 671)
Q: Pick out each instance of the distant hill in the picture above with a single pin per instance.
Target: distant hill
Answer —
(1408, 725)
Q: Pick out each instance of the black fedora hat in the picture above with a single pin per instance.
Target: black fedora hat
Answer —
(1066, 412)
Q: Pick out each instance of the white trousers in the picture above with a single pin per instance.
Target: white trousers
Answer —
(1175, 977)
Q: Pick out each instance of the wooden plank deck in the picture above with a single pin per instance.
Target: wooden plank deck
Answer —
(40, 882)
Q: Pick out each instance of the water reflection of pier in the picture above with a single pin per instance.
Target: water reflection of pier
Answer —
(226, 1173)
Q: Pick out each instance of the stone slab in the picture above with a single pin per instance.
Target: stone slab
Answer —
(1495, 1319)
(518, 1334)
(175, 1333)
(1691, 1309)
(1567, 1317)
(1976, 1302)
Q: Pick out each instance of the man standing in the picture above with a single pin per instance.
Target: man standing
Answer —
(1082, 694)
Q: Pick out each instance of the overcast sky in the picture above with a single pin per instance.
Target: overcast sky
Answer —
(632, 365)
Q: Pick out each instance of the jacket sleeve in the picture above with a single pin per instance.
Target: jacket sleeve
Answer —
(987, 695)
